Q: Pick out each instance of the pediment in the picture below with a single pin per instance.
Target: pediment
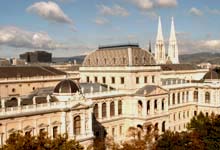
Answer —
(150, 90)
(79, 106)
(157, 91)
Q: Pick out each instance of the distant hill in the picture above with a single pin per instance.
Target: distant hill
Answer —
(195, 58)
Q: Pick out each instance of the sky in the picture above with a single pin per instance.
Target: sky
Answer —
(75, 27)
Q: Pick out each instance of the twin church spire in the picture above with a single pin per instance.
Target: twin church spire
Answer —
(160, 53)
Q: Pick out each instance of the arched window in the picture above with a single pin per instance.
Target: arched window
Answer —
(112, 109)
(124, 60)
(195, 96)
(156, 127)
(105, 61)
(97, 61)
(119, 107)
(144, 60)
(148, 106)
(162, 104)
(207, 97)
(136, 60)
(114, 60)
(103, 110)
(183, 97)
(155, 104)
(187, 96)
(178, 98)
(96, 111)
(77, 125)
(163, 126)
(140, 107)
(173, 97)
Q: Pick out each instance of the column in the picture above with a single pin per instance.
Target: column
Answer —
(176, 98)
(181, 97)
(90, 132)
(83, 124)
(151, 107)
(100, 110)
(70, 125)
(108, 109)
(63, 121)
(144, 108)
(116, 107)
(159, 105)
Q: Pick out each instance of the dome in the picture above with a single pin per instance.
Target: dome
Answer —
(119, 55)
(211, 75)
(66, 86)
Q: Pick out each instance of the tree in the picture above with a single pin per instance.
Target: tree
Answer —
(18, 141)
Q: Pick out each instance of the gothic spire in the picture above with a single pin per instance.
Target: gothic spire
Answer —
(173, 47)
(159, 45)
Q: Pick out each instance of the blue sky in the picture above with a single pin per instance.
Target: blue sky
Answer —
(73, 27)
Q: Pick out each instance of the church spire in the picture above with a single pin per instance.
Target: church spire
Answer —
(173, 48)
(159, 46)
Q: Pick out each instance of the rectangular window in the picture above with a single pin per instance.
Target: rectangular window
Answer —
(87, 79)
(103, 80)
(137, 80)
(55, 131)
(113, 131)
(122, 80)
(153, 79)
(113, 80)
(145, 79)
(96, 79)
(120, 130)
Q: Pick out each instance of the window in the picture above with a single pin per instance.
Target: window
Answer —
(140, 107)
(87, 79)
(113, 80)
(33, 88)
(122, 80)
(178, 98)
(188, 114)
(77, 125)
(163, 126)
(124, 60)
(162, 105)
(28, 133)
(207, 97)
(103, 80)
(120, 130)
(195, 96)
(155, 104)
(183, 97)
(96, 111)
(136, 60)
(206, 114)
(119, 107)
(112, 109)
(114, 60)
(89, 61)
(187, 96)
(55, 131)
(105, 61)
(174, 117)
(41, 131)
(97, 61)
(137, 80)
(153, 79)
(148, 106)
(173, 96)
(113, 132)
(145, 79)
(13, 90)
(179, 115)
(103, 110)
(195, 113)
(184, 115)
(96, 79)
(144, 60)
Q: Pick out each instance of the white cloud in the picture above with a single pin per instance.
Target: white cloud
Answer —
(49, 11)
(195, 11)
(149, 4)
(166, 3)
(101, 21)
(211, 44)
(142, 4)
(18, 38)
(116, 10)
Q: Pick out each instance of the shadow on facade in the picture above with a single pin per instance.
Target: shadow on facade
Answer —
(99, 133)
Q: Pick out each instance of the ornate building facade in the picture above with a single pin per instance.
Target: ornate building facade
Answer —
(120, 87)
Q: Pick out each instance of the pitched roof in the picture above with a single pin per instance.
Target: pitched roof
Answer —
(28, 71)
(175, 67)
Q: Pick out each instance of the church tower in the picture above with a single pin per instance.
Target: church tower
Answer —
(173, 55)
(159, 45)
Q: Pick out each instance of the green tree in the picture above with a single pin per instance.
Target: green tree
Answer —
(18, 141)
